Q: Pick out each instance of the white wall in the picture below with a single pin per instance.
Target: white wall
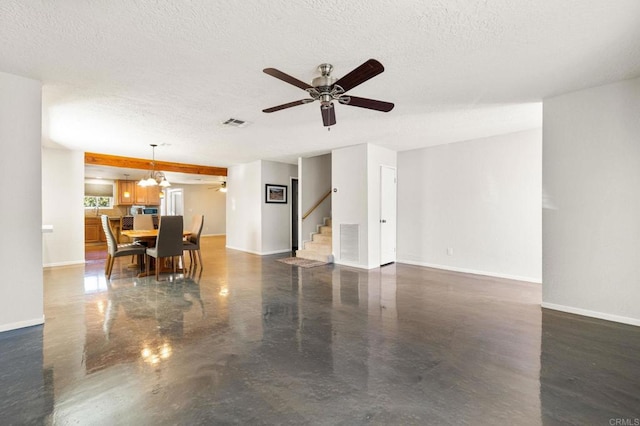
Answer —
(276, 218)
(355, 173)
(252, 225)
(21, 292)
(62, 207)
(591, 220)
(244, 207)
(349, 202)
(315, 181)
(205, 200)
(480, 198)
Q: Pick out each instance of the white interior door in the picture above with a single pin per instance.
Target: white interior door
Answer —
(387, 215)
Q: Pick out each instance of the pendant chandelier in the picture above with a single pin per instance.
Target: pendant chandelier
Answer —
(154, 178)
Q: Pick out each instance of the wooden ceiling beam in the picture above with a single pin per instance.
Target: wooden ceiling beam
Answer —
(145, 164)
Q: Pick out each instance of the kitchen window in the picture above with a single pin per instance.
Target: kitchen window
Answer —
(98, 194)
(92, 202)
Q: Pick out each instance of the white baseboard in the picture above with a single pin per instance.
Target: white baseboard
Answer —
(265, 253)
(355, 265)
(592, 314)
(472, 271)
(68, 263)
(21, 324)
(241, 249)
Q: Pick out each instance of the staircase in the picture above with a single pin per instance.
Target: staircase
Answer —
(319, 248)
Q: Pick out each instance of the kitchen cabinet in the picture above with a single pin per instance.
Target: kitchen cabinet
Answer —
(93, 232)
(153, 196)
(147, 196)
(141, 195)
(137, 195)
(126, 192)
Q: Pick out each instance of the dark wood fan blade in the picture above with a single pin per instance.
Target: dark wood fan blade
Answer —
(286, 78)
(364, 72)
(288, 105)
(369, 104)
(328, 115)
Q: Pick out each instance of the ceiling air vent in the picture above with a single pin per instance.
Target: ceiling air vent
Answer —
(234, 122)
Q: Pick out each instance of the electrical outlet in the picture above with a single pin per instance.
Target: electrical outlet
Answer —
(450, 251)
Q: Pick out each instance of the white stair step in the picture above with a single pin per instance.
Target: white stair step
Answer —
(312, 255)
(325, 230)
(319, 247)
(321, 238)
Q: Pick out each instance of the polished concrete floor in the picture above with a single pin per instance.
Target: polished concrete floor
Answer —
(249, 340)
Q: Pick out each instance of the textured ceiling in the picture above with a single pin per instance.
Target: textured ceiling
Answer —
(121, 74)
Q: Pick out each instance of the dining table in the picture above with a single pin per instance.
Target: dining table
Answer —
(148, 235)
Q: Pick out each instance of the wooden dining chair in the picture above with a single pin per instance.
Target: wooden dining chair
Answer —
(142, 222)
(192, 244)
(117, 250)
(168, 244)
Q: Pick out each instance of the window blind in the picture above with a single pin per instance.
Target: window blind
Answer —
(98, 190)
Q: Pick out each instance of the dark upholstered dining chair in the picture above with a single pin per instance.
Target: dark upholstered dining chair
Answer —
(142, 222)
(192, 244)
(168, 244)
(117, 250)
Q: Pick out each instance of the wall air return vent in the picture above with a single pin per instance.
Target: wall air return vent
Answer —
(234, 122)
(350, 242)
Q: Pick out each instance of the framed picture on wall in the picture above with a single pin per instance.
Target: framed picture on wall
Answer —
(275, 194)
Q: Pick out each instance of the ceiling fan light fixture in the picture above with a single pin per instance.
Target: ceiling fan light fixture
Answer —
(223, 187)
(326, 88)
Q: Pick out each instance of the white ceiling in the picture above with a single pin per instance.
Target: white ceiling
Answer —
(118, 75)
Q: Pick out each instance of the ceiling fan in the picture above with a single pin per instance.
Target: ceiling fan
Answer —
(219, 186)
(327, 89)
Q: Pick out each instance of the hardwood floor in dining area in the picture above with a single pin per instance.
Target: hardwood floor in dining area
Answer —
(249, 340)
(95, 251)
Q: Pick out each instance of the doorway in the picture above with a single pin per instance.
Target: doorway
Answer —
(175, 202)
(387, 215)
(294, 215)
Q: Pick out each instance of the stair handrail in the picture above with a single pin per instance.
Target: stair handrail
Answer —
(315, 206)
